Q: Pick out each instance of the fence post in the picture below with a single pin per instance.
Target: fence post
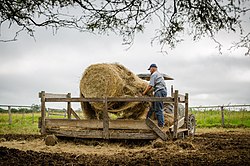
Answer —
(69, 106)
(43, 113)
(222, 116)
(10, 117)
(32, 116)
(175, 114)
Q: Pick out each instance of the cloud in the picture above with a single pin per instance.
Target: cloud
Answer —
(56, 63)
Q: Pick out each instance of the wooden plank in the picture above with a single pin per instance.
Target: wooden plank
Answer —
(74, 114)
(186, 110)
(74, 100)
(181, 98)
(129, 99)
(106, 121)
(156, 129)
(182, 130)
(114, 134)
(175, 114)
(142, 99)
(75, 133)
(52, 95)
(69, 106)
(179, 124)
(43, 113)
(122, 124)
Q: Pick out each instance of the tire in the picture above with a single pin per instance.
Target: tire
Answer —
(191, 125)
(169, 108)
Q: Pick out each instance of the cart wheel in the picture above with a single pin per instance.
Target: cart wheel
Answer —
(191, 124)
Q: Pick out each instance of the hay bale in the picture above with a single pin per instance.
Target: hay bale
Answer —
(112, 80)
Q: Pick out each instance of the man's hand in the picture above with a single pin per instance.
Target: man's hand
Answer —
(149, 87)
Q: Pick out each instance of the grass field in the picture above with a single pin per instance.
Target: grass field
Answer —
(27, 124)
(213, 118)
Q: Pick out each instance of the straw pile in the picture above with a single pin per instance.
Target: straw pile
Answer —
(112, 80)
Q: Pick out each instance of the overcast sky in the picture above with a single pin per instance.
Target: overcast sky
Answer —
(56, 63)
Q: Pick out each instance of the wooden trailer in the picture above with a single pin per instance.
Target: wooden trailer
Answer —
(105, 128)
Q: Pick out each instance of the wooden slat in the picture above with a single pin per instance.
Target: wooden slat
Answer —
(175, 113)
(141, 99)
(114, 134)
(69, 106)
(179, 124)
(122, 124)
(130, 99)
(74, 100)
(43, 113)
(181, 98)
(74, 114)
(182, 130)
(52, 95)
(156, 129)
(75, 133)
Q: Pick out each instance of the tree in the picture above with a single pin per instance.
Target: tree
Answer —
(198, 18)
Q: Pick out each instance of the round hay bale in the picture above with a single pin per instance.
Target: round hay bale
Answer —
(112, 80)
(50, 140)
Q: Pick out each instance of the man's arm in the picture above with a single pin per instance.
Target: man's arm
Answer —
(149, 87)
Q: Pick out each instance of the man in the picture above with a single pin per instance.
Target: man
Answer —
(157, 83)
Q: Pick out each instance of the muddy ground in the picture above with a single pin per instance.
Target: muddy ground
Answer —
(209, 148)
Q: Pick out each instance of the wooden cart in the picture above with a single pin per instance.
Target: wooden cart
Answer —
(105, 128)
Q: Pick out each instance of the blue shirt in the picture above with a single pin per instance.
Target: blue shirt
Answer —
(157, 81)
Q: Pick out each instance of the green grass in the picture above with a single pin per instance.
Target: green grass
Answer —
(21, 123)
(25, 124)
(213, 118)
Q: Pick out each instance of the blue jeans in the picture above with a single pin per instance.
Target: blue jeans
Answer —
(157, 107)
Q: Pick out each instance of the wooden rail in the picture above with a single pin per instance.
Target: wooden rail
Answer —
(106, 128)
(18, 106)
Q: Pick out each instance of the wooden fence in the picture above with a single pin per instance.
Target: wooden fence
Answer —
(222, 108)
(16, 106)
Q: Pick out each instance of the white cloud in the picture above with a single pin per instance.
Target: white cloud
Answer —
(56, 63)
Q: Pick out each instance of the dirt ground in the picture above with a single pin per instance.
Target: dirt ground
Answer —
(231, 147)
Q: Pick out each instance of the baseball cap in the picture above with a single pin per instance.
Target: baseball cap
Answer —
(152, 65)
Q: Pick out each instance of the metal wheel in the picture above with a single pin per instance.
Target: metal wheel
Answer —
(191, 124)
